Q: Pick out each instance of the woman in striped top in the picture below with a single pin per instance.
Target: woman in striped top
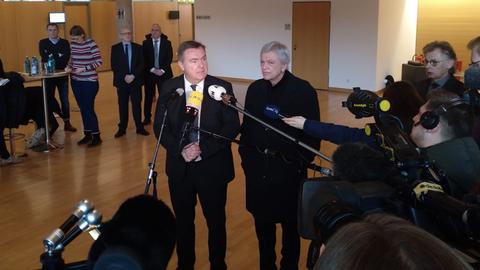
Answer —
(84, 60)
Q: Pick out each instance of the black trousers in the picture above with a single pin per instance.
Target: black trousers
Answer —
(212, 194)
(152, 82)
(135, 95)
(266, 235)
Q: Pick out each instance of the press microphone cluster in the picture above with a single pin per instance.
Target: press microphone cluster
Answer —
(219, 93)
(364, 103)
(194, 104)
(273, 112)
(60, 237)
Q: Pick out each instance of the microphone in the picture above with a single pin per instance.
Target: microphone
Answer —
(177, 93)
(81, 209)
(273, 112)
(92, 219)
(364, 103)
(219, 93)
(194, 103)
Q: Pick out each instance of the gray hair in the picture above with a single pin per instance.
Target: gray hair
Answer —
(280, 49)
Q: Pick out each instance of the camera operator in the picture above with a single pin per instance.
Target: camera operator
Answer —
(381, 241)
(442, 129)
(472, 80)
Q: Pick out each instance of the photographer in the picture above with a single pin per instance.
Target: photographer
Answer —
(381, 241)
(442, 129)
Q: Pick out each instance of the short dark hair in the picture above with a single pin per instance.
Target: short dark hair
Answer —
(52, 24)
(191, 44)
(405, 101)
(77, 30)
(458, 118)
(382, 241)
(474, 43)
(446, 49)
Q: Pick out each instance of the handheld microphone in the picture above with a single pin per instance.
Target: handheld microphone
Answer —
(273, 112)
(219, 93)
(81, 209)
(92, 219)
(177, 93)
(194, 103)
(364, 103)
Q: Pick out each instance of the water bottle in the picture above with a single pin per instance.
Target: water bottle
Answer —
(34, 69)
(26, 66)
(50, 64)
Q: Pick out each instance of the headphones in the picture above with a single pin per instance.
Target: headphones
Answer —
(430, 119)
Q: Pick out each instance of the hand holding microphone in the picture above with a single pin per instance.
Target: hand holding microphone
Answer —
(194, 104)
(295, 121)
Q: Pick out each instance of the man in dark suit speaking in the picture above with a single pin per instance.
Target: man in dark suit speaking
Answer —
(197, 163)
(158, 53)
(127, 66)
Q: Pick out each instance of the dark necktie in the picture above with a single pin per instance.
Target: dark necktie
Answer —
(156, 62)
(128, 57)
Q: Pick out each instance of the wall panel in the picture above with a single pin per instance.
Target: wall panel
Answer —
(454, 21)
(8, 40)
(147, 13)
(103, 23)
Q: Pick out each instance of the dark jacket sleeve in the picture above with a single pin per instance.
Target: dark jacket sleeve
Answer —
(337, 134)
(139, 64)
(169, 139)
(42, 50)
(227, 125)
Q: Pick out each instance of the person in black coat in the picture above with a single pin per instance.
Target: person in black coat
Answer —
(440, 60)
(274, 167)
(127, 66)
(158, 53)
(203, 166)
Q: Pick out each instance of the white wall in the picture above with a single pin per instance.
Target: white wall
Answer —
(396, 37)
(237, 30)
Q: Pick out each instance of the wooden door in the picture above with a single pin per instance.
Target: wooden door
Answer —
(76, 14)
(311, 41)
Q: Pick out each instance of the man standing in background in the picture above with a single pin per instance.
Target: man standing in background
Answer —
(60, 50)
(127, 66)
(158, 53)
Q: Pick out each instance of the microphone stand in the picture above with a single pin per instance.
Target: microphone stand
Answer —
(217, 136)
(152, 174)
(228, 102)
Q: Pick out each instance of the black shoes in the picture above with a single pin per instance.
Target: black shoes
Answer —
(68, 127)
(86, 139)
(146, 122)
(96, 140)
(119, 133)
(143, 132)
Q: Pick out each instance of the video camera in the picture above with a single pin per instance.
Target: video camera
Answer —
(327, 204)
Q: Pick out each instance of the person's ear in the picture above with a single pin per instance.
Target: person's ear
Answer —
(180, 64)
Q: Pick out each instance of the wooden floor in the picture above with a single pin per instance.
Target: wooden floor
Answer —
(36, 196)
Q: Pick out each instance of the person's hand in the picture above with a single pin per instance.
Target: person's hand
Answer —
(78, 70)
(68, 69)
(129, 78)
(191, 151)
(158, 72)
(295, 121)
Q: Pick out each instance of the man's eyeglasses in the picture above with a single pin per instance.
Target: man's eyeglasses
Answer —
(474, 63)
(433, 63)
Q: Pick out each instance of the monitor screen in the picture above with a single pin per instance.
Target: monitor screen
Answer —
(56, 17)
